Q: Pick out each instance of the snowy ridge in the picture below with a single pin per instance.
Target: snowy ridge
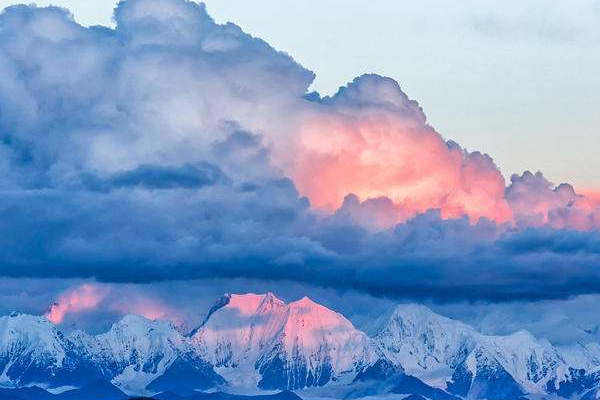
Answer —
(28, 337)
(446, 353)
(255, 342)
(291, 345)
(34, 336)
(236, 333)
(135, 351)
(427, 345)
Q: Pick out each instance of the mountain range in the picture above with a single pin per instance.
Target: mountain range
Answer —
(259, 345)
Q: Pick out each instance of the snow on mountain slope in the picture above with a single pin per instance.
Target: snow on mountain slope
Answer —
(258, 342)
(580, 373)
(33, 351)
(22, 334)
(314, 346)
(425, 344)
(237, 332)
(34, 339)
(290, 346)
(136, 351)
(432, 347)
(531, 362)
(581, 356)
(480, 376)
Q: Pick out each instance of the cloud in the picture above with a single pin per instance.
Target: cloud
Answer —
(562, 322)
(176, 148)
(92, 299)
(554, 22)
(593, 196)
(374, 214)
(159, 177)
(149, 307)
(371, 140)
(536, 202)
(78, 299)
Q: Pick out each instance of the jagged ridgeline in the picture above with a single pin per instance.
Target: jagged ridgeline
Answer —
(259, 345)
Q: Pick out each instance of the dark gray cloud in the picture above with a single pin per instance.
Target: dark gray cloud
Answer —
(159, 177)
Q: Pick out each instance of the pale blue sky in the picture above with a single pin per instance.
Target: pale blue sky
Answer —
(516, 79)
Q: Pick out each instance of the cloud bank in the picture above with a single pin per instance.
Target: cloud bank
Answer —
(171, 147)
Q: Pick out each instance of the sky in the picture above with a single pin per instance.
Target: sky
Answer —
(518, 81)
(153, 163)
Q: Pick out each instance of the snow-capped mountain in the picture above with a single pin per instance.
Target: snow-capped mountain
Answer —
(251, 343)
(138, 354)
(33, 350)
(427, 345)
(450, 354)
(282, 346)
(239, 328)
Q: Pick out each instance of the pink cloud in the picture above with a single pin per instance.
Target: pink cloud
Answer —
(372, 141)
(592, 195)
(78, 299)
(89, 296)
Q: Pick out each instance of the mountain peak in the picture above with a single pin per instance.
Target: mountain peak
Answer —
(132, 320)
(287, 342)
(235, 332)
(137, 326)
(250, 303)
(416, 310)
(314, 346)
(32, 325)
(271, 295)
(20, 318)
(314, 316)
(33, 335)
(305, 302)
(421, 315)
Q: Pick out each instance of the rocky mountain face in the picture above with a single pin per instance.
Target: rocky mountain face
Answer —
(252, 343)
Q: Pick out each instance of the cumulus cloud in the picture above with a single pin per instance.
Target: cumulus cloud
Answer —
(172, 147)
(371, 140)
(536, 202)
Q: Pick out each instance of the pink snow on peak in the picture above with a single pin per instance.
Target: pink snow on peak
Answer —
(250, 303)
